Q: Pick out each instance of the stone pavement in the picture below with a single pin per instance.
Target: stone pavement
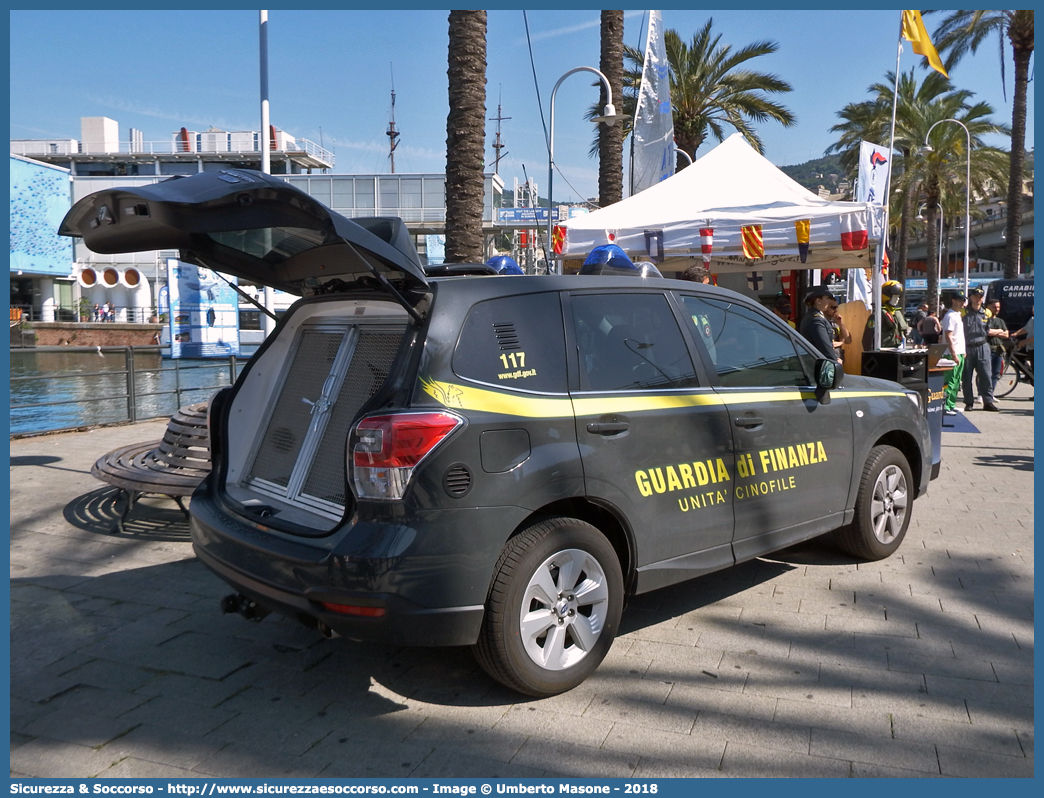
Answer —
(804, 664)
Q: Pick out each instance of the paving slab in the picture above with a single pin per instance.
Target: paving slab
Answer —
(806, 663)
(976, 763)
(531, 721)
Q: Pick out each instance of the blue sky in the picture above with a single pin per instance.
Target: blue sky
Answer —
(331, 74)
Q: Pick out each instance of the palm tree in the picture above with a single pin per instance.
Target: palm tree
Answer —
(709, 90)
(963, 32)
(941, 173)
(465, 136)
(610, 137)
(871, 121)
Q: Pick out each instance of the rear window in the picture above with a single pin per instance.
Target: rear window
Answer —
(514, 342)
(271, 244)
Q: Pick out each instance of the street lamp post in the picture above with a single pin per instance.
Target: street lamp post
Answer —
(608, 115)
(967, 192)
(939, 248)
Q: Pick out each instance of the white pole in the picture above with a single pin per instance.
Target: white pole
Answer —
(882, 247)
(938, 266)
(607, 111)
(967, 193)
(967, 210)
(266, 156)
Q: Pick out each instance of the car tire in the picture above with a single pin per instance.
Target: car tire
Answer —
(553, 609)
(883, 505)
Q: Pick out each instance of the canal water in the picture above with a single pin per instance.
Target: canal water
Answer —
(92, 386)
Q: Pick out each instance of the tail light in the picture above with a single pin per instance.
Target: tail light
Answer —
(385, 450)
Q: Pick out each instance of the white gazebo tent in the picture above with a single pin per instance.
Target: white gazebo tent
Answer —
(729, 188)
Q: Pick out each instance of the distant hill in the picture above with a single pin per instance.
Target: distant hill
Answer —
(824, 172)
(827, 172)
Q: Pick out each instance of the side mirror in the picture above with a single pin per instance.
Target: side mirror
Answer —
(828, 376)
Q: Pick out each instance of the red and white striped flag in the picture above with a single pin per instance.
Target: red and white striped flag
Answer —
(706, 243)
(853, 232)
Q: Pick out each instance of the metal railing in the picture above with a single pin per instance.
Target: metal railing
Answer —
(73, 313)
(134, 391)
(173, 147)
(1001, 215)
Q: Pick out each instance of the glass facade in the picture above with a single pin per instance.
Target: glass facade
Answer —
(415, 198)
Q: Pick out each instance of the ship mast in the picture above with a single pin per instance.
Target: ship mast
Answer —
(498, 145)
(392, 133)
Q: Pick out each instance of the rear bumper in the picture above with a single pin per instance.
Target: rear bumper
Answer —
(429, 572)
(403, 622)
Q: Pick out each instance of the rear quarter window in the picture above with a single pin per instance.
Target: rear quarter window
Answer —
(514, 342)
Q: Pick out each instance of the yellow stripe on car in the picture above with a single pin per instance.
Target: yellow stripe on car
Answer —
(466, 397)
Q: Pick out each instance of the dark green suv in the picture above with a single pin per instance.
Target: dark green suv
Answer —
(499, 461)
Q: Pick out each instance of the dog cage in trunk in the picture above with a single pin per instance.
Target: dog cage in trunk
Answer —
(333, 370)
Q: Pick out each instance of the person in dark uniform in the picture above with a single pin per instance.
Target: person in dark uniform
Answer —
(997, 330)
(815, 326)
(842, 335)
(977, 357)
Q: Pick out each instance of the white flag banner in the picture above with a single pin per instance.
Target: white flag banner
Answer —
(859, 287)
(652, 150)
(873, 181)
(873, 173)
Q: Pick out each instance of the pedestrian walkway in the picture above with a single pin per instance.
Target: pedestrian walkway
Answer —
(803, 664)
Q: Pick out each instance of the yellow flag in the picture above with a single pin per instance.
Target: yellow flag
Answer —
(914, 32)
(753, 243)
(802, 227)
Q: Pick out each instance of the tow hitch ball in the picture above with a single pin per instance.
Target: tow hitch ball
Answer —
(248, 608)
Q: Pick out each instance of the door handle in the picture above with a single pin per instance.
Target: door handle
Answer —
(608, 427)
(749, 422)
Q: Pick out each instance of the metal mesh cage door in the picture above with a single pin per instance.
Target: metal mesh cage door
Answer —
(288, 424)
(367, 372)
(333, 372)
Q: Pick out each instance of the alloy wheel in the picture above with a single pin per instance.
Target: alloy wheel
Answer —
(564, 609)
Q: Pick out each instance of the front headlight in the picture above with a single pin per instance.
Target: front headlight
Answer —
(914, 397)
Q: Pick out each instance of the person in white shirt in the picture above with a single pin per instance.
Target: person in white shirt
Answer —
(953, 336)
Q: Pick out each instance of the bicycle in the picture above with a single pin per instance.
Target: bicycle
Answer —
(1017, 368)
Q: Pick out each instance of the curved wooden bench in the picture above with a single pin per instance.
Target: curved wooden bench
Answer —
(172, 467)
